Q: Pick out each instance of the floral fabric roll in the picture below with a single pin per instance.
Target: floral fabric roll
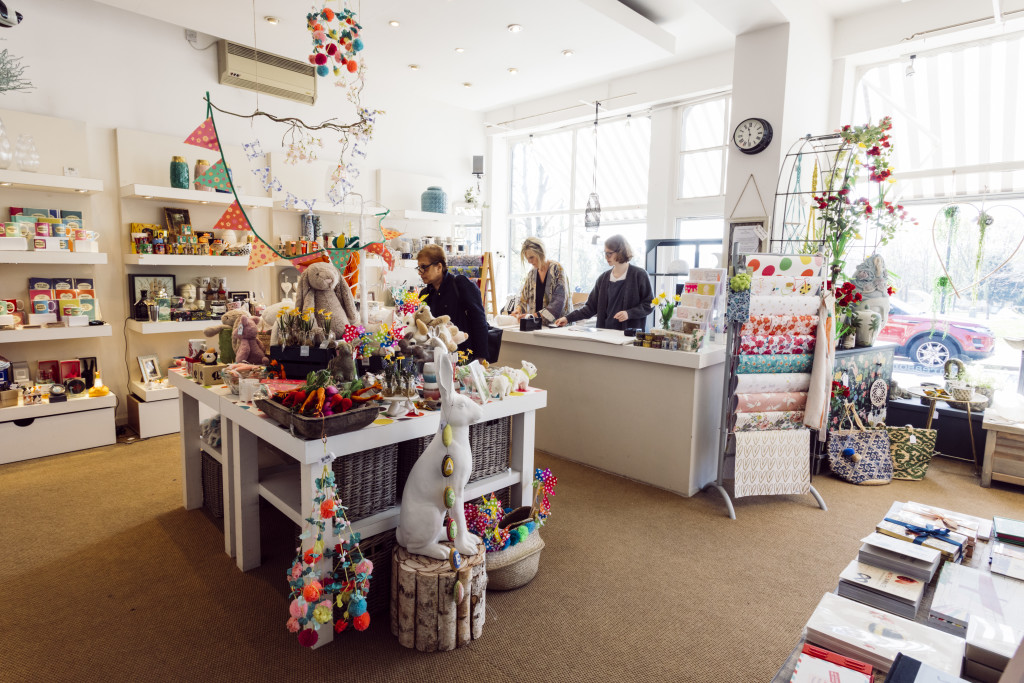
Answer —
(785, 286)
(775, 363)
(765, 344)
(783, 305)
(780, 324)
(772, 402)
(804, 265)
(771, 383)
(738, 307)
(757, 422)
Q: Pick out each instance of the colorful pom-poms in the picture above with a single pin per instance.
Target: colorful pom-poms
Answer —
(308, 637)
(847, 452)
(356, 606)
(293, 625)
(321, 58)
(322, 70)
(362, 622)
(364, 567)
(312, 591)
(297, 608)
(323, 612)
(319, 35)
(331, 49)
(337, 71)
(352, 66)
(357, 44)
(328, 14)
(340, 626)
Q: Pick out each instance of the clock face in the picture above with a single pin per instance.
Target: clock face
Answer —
(752, 135)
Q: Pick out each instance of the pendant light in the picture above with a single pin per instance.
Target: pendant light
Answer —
(592, 216)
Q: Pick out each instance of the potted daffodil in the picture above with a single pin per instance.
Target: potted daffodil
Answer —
(666, 306)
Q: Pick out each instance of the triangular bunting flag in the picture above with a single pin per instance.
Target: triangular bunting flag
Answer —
(390, 234)
(216, 177)
(382, 251)
(260, 255)
(204, 136)
(233, 219)
(340, 257)
(303, 262)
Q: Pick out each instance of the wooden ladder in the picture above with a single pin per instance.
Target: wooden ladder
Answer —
(487, 288)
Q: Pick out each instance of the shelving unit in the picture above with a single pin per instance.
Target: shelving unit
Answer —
(171, 327)
(43, 182)
(54, 257)
(411, 215)
(183, 260)
(50, 428)
(54, 333)
(158, 393)
(172, 194)
(320, 210)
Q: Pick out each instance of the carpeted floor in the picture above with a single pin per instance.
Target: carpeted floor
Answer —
(106, 577)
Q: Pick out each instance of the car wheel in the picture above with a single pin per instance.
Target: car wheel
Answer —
(932, 352)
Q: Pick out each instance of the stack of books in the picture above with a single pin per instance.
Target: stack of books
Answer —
(1008, 530)
(876, 637)
(881, 588)
(990, 646)
(909, 670)
(886, 552)
(965, 592)
(904, 526)
(817, 664)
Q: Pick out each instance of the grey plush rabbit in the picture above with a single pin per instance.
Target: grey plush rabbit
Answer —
(321, 287)
(421, 526)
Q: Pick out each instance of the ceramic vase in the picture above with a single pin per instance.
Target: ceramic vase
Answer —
(25, 154)
(434, 200)
(202, 166)
(867, 325)
(6, 150)
(179, 173)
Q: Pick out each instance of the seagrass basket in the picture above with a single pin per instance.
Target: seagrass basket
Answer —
(367, 480)
(213, 487)
(490, 442)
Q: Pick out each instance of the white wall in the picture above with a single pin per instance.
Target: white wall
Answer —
(113, 69)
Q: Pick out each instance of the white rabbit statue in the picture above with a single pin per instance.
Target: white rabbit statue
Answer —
(432, 501)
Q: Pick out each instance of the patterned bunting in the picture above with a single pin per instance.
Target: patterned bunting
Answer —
(290, 200)
(382, 251)
(390, 234)
(253, 149)
(260, 255)
(340, 258)
(204, 136)
(216, 177)
(233, 219)
(303, 262)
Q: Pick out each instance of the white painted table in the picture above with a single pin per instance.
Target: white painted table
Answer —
(648, 414)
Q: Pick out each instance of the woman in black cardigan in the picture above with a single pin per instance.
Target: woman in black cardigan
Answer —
(455, 296)
(622, 296)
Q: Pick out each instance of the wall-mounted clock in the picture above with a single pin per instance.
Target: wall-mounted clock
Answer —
(752, 136)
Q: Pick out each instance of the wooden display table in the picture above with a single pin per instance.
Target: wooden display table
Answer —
(1004, 453)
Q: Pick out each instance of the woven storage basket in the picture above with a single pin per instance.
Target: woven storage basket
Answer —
(377, 549)
(515, 566)
(367, 480)
(489, 441)
(213, 487)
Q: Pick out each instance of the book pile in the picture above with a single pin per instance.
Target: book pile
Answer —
(990, 646)
(913, 528)
(964, 592)
(893, 592)
(877, 637)
(971, 527)
(817, 664)
(1008, 530)
(886, 552)
(909, 670)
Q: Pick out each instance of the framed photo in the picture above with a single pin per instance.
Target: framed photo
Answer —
(747, 236)
(175, 218)
(238, 296)
(150, 367)
(151, 284)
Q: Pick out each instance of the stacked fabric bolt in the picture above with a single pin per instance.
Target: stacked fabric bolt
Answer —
(430, 389)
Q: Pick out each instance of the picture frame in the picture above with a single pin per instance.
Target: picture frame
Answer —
(751, 235)
(175, 218)
(238, 296)
(149, 365)
(150, 283)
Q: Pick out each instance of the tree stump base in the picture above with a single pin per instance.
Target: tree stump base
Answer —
(424, 612)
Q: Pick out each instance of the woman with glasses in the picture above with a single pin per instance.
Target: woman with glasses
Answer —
(454, 296)
(546, 287)
(622, 296)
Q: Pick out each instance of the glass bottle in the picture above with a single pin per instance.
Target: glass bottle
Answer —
(6, 150)
(25, 154)
(140, 311)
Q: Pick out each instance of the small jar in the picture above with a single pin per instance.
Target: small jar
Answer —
(179, 173)
(647, 343)
(202, 166)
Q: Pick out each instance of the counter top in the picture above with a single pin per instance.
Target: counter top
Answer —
(712, 354)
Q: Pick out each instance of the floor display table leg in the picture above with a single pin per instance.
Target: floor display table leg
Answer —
(228, 471)
(521, 457)
(191, 463)
(245, 464)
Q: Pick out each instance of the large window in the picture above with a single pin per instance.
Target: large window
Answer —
(551, 180)
(704, 149)
(957, 153)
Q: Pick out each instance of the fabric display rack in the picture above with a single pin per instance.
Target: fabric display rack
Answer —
(773, 376)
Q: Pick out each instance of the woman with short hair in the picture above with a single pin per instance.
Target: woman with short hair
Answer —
(455, 296)
(622, 295)
(545, 287)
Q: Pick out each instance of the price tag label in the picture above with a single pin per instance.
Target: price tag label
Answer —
(303, 351)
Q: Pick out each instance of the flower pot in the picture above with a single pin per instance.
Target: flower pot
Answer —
(867, 325)
(848, 341)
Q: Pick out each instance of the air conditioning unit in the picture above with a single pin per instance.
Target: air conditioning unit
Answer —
(244, 67)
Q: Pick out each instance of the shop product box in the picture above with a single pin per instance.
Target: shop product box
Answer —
(47, 372)
(88, 307)
(86, 246)
(51, 244)
(71, 215)
(10, 397)
(41, 318)
(24, 220)
(62, 283)
(77, 320)
(14, 244)
(82, 282)
(39, 213)
(40, 283)
(66, 294)
(7, 322)
(207, 374)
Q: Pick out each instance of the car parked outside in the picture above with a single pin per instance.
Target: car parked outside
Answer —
(931, 342)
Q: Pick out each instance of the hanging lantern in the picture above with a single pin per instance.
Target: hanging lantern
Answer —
(592, 216)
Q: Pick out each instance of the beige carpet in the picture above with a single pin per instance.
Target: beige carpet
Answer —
(106, 577)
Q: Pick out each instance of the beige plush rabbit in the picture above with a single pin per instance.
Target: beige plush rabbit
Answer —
(322, 288)
(421, 526)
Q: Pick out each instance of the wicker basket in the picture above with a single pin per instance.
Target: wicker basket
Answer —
(317, 427)
(367, 481)
(515, 566)
(489, 441)
(377, 549)
(213, 486)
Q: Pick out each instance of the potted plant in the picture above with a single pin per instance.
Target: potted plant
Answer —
(666, 306)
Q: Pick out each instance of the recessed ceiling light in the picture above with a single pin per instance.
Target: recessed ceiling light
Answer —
(467, 85)
(271, 20)
(5, 184)
(146, 196)
(513, 71)
(202, 202)
(460, 50)
(567, 53)
(80, 191)
(393, 23)
(414, 67)
(514, 28)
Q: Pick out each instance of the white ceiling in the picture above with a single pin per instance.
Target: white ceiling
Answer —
(609, 38)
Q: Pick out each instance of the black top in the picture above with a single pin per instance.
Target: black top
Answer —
(460, 299)
(633, 295)
(539, 301)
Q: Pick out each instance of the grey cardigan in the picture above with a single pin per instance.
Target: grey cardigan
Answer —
(636, 300)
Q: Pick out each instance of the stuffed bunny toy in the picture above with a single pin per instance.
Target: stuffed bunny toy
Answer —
(421, 527)
(321, 287)
(228, 322)
(250, 349)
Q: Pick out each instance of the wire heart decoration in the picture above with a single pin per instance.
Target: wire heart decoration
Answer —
(987, 212)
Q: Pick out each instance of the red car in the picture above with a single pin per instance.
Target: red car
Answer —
(931, 342)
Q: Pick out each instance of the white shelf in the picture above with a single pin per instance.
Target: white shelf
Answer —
(59, 257)
(410, 215)
(20, 180)
(72, 405)
(156, 392)
(183, 260)
(53, 333)
(169, 327)
(317, 209)
(173, 194)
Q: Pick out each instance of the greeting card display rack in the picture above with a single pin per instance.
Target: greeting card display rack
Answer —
(727, 440)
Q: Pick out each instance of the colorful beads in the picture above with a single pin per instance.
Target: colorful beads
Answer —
(449, 497)
(455, 559)
(447, 466)
(446, 436)
(451, 528)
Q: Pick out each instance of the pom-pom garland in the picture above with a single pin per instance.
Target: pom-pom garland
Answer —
(335, 36)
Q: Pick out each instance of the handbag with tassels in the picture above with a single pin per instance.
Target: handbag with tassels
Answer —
(859, 455)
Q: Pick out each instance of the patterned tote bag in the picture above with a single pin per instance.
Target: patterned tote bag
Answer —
(911, 449)
(859, 455)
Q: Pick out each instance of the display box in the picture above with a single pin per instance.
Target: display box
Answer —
(14, 244)
(77, 320)
(41, 318)
(40, 283)
(86, 246)
(51, 244)
(82, 283)
(47, 372)
(39, 213)
(62, 283)
(207, 374)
